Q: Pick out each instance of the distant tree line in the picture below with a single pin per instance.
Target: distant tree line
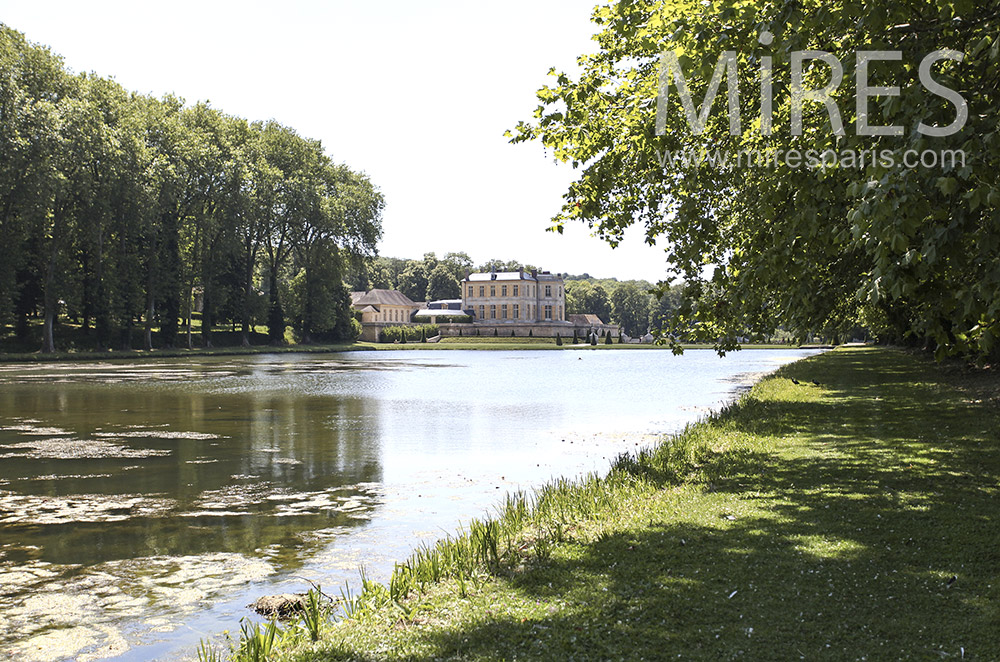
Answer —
(121, 214)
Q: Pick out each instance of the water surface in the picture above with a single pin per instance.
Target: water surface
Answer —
(143, 505)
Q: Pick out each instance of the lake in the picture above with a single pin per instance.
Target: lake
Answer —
(143, 505)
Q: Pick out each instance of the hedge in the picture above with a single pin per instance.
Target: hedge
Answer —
(391, 334)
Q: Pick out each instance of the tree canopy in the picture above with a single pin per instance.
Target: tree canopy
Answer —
(125, 213)
(865, 232)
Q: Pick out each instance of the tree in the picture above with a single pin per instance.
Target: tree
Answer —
(389, 269)
(413, 281)
(119, 210)
(442, 284)
(630, 308)
(459, 263)
(379, 277)
(504, 266)
(584, 297)
(666, 300)
(910, 251)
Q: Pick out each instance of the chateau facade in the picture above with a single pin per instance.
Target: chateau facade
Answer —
(514, 297)
(510, 304)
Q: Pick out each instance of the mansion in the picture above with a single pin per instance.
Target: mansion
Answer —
(513, 303)
(514, 296)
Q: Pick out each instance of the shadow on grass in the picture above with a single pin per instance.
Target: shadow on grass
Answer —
(895, 494)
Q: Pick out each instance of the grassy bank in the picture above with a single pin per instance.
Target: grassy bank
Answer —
(853, 520)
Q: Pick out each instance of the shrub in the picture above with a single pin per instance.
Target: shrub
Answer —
(593, 339)
(496, 333)
(559, 340)
(575, 338)
(402, 334)
(512, 333)
(607, 338)
(531, 333)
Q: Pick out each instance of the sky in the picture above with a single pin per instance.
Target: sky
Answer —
(417, 94)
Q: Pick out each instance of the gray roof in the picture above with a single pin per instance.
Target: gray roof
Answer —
(500, 275)
(512, 275)
(382, 298)
(585, 320)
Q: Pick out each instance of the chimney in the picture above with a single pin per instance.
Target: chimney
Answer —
(534, 273)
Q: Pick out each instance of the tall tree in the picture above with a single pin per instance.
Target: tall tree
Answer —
(442, 284)
(630, 308)
(584, 297)
(345, 221)
(791, 241)
(118, 210)
(458, 263)
(413, 281)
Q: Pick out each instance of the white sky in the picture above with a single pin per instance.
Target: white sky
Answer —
(415, 94)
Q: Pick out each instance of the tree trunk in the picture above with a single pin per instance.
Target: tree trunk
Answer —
(247, 293)
(275, 315)
(150, 310)
(207, 318)
(49, 297)
(190, 307)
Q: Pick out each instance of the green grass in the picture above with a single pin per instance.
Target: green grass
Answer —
(804, 522)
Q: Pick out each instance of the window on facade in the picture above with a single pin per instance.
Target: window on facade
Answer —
(548, 290)
(503, 311)
(470, 290)
(560, 313)
(503, 290)
(493, 290)
(482, 291)
(548, 312)
(482, 312)
(515, 290)
(493, 312)
(516, 312)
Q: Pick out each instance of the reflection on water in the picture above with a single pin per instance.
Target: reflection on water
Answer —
(142, 502)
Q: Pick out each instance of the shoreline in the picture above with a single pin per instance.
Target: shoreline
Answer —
(741, 526)
(266, 350)
(558, 457)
